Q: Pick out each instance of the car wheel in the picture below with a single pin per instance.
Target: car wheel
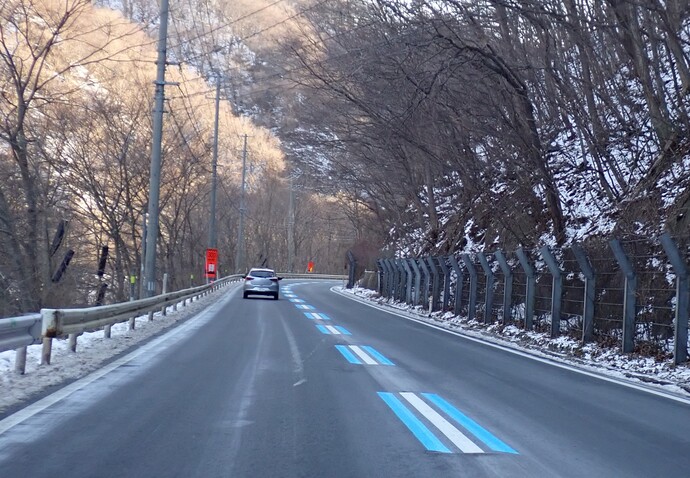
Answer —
(275, 297)
(245, 295)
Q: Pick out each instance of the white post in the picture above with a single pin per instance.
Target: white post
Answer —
(46, 350)
(164, 309)
(20, 361)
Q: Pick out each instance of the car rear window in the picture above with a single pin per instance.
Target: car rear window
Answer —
(261, 273)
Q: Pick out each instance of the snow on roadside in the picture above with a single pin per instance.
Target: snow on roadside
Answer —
(565, 349)
(93, 351)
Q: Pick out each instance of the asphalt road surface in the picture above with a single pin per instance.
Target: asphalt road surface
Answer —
(319, 385)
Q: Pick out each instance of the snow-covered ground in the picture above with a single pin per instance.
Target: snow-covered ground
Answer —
(592, 357)
(93, 351)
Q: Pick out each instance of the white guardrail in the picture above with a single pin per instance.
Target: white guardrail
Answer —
(20, 332)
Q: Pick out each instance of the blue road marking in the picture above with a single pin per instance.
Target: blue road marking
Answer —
(471, 426)
(293, 299)
(343, 330)
(418, 429)
(375, 353)
(323, 329)
(304, 306)
(310, 315)
(348, 354)
(323, 316)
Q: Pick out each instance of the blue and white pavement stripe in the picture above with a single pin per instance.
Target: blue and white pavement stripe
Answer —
(333, 330)
(470, 425)
(418, 429)
(444, 426)
(316, 316)
(295, 300)
(357, 355)
(349, 356)
(304, 306)
(378, 356)
(458, 438)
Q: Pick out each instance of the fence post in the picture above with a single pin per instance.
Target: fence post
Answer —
(427, 282)
(507, 286)
(386, 277)
(446, 282)
(472, 304)
(380, 276)
(530, 287)
(629, 302)
(417, 281)
(72, 341)
(458, 284)
(390, 283)
(402, 279)
(435, 283)
(588, 308)
(489, 293)
(410, 278)
(556, 290)
(680, 334)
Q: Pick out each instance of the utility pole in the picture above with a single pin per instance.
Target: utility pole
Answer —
(155, 174)
(239, 259)
(212, 227)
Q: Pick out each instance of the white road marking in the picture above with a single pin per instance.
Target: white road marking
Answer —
(444, 426)
(362, 355)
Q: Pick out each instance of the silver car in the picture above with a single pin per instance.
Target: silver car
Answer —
(261, 282)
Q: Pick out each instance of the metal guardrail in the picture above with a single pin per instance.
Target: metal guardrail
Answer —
(20, 332)
(293, 275)
(57, 322)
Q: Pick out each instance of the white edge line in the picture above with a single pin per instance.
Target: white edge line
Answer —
(552, 362)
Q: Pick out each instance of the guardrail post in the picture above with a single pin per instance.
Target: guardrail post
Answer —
(472, 305)
(410, 279)
(507, 286)
(49, 328)
(489, 293)
(426, 287)
(588, 308)
(72, 339)
(530, 287)
(556, 290)
(680, 334)
(417, 281)
(435, 283)
(446, 282)
(629, 302)
(164, 309)
(46, 350)
(459, 277)
(20, 360)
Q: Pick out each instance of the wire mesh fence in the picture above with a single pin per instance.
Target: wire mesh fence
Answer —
(630, 293)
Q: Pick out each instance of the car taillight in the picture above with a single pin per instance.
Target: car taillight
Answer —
(249, 278)
(274, 279)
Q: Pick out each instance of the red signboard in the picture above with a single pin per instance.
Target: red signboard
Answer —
(211, 263)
